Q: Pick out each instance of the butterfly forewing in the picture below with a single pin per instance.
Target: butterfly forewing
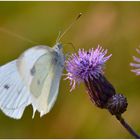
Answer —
(27, 61)
(40, 72)
(45, 84)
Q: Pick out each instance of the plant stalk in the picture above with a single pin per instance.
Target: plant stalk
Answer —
(127, 127)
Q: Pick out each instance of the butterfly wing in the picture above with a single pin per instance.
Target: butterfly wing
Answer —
(14, 92)
(41, 70)
(45, 84)
(31, 79)
(14, 96)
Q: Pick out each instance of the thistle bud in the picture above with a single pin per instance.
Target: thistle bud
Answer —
(117, 104)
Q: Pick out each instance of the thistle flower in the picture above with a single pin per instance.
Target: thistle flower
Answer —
(137, 64)
(88, 67)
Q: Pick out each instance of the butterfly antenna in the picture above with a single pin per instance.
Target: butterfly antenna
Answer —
(17, 35)
(69, 27)
(59, 34)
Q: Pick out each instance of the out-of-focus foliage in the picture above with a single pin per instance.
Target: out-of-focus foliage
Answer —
(113, 25)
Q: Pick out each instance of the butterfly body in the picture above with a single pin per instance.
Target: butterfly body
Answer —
(33, 78)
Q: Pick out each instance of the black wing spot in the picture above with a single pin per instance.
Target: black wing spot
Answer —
(6, 86)
(33, 71)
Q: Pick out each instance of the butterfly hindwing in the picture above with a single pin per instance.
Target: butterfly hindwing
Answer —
(14, 96)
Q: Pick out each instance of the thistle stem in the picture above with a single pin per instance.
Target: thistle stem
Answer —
(127, 127)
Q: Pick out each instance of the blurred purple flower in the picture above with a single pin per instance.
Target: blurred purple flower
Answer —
(137, 64)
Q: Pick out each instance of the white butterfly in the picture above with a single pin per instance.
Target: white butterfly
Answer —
(33, 78)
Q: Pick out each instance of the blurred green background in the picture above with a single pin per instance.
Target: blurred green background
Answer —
(113, 25)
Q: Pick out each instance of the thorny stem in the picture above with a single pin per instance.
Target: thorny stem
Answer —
(127, 127)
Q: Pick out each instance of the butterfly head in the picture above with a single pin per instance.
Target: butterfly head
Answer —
(58, 47)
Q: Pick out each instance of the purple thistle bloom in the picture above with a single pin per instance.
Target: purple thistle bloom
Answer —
(137, 64)
(85, 65)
